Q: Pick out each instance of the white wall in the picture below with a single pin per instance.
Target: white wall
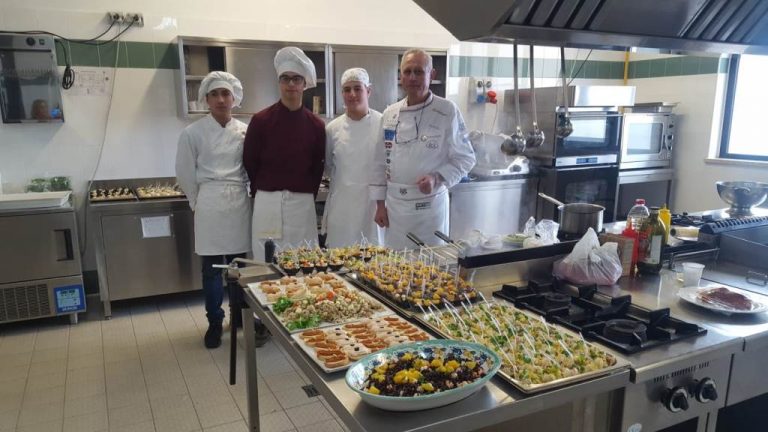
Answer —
(699, 112)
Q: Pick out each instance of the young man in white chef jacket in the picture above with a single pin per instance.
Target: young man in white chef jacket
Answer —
(209, 169)
(350, 143)
(423, 150)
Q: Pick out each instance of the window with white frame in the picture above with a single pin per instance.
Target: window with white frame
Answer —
(744, 132)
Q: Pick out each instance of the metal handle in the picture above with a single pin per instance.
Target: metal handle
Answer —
(68, 250)
(752, 275)
(517, 90)
(441, 235)
(412, 237)
(551, 199)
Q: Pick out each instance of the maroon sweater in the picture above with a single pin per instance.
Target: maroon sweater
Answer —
(284, 150)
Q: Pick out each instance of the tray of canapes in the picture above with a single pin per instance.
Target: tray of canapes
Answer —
(111, 194)
(535, 355)
(308, 260)
(159, 191)
(335, 348)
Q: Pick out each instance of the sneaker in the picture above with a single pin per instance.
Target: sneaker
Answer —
(212, 337)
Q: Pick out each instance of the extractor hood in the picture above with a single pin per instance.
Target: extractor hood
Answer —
(722, 26)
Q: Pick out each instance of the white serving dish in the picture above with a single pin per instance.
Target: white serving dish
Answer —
(691, 295)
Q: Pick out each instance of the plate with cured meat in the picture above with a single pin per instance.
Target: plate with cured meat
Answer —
(725, 300)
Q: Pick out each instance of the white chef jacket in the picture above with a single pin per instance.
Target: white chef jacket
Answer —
(349, 209)
(416, 140)
(209, 169)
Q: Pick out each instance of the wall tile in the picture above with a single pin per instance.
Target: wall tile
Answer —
(107, 55)
(642, 69)
(674, 66)
(167, 56)
(723, 66)
(84, 55)
(690, 66)
(708, 65)
(657, 68)
(141, 55)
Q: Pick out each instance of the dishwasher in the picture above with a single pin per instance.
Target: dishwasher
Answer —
(40, 272)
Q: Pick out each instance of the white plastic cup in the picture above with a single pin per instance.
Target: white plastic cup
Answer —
(692, 274)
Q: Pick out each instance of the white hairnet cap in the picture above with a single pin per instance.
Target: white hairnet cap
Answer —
(356, 74)
(216, 80)
(292, 59)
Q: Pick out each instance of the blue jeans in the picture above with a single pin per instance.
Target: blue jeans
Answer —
(213, 286)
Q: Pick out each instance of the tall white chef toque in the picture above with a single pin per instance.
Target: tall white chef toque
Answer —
(356, 74)
(216, 80)
(292, 59)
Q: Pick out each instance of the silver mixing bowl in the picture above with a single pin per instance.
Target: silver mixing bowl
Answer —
(742, 195)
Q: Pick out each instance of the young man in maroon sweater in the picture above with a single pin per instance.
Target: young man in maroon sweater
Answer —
(283, 154)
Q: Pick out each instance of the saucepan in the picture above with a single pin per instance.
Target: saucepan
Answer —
(577, 218)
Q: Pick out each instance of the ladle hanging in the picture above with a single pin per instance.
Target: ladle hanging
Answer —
(535, 137)
(516, 143)
(564, 125)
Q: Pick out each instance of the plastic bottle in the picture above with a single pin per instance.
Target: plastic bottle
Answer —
(651, 244)
(637, 214)
(629, 232)
(666, 216)
(269, 251)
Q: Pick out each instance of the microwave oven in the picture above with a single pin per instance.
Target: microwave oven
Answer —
(647, 139)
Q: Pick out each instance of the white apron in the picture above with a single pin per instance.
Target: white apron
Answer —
(286, 217)
(222, 219)
(411, 211)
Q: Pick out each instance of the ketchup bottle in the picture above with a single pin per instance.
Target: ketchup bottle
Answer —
(635, 236)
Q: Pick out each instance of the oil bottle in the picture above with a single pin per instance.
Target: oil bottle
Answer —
(652, 233)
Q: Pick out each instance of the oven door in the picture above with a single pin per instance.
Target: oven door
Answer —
(646, 141)
(593, 184)
(594, 133)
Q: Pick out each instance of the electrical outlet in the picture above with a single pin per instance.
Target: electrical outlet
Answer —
(115, 17)
(136, 18)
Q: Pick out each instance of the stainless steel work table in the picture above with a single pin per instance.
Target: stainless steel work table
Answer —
(495, 403)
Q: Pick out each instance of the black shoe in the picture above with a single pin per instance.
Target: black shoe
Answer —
(261, 334)
(212, 337)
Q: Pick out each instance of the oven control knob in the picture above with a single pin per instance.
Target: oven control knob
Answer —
(676, 399)
(706, 391)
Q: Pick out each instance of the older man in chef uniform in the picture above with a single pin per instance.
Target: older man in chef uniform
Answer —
(209, 169)
(284, 153)
(350, 142)
(422, 151)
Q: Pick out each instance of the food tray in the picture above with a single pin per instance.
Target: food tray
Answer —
(109, 199)
(404, 306)
(150, 197)
(382, 312)
(620, 364)
(310, 351)
(261, 296)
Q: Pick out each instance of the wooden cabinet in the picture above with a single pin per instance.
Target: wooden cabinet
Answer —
(253, 63)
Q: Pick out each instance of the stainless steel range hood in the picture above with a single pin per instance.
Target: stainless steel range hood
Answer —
(722, 26)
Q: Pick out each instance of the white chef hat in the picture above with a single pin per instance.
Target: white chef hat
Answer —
(292, 59)
(216, 80)
(356, 74)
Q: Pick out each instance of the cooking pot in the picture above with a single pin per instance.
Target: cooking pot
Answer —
(577, 218)
(742, 195)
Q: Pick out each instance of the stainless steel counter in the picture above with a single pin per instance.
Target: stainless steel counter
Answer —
(496, 403)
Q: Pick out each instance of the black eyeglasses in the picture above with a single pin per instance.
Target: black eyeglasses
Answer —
(296, 79)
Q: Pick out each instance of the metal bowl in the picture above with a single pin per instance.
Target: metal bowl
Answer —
(742, 195)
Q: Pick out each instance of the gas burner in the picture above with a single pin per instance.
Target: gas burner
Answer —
(613, 321)
(555, 300)
(625, 331)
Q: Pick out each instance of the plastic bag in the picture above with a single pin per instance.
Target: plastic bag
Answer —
(590, 263)
(541, 234)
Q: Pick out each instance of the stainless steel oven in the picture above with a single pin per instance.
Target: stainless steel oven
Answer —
(595, 118)
(590, 184)
(647, 139)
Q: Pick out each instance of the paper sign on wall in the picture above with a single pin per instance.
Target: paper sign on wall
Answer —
(94, 82)
(156, 226)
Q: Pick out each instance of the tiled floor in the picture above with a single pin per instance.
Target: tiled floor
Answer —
(144, 370)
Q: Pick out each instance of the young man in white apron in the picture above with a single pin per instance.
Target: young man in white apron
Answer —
(284, 152)
(209, 169)
(350, 143)
(423, 150)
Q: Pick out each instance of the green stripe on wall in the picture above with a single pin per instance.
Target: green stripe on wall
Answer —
(464, 66)
(142, 55)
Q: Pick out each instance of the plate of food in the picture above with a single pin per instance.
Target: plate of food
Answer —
(422, 375)
(335, 348)
(724, 300)
(295, 288)
(342, 304)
